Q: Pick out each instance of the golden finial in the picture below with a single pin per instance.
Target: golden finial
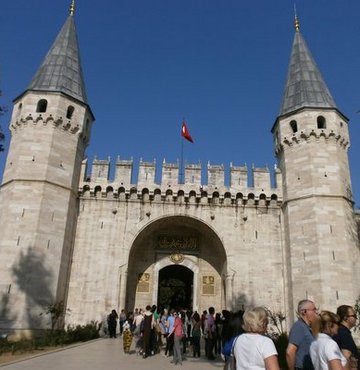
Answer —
(296, 22)
(72, 7)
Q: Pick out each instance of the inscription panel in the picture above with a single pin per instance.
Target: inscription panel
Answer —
(177, 243)
(143, 283)
(208, 285)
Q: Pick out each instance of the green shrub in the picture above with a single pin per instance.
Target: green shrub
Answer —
(281, 341)
(53, 338)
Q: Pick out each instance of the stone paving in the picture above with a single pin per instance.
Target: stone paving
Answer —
(106, 353)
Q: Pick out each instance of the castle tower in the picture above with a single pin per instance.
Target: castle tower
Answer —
(311, 143)
(50, 128)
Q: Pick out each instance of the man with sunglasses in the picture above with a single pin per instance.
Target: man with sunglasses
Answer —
(301, 337)
(344, 338)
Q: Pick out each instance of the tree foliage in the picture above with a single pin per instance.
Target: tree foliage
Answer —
(357, 311)
(57, 312)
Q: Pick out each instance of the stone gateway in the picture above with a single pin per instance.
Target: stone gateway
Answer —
(71, 235)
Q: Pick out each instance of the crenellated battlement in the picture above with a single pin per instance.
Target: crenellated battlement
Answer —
(45, 119)
(174, 186)
(327, 135)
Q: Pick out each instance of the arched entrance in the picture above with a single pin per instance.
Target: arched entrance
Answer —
(182, 248)
(175, 287)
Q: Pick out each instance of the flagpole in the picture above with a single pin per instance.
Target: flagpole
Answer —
(182, 161)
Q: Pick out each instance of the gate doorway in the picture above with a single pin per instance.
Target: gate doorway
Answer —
(175, 289)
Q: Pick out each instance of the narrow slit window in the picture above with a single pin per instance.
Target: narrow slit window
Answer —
(321, 122)
(70, 112)
(41, 106)
(294, 127)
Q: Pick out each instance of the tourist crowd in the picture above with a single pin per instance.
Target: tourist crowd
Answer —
(317, 341)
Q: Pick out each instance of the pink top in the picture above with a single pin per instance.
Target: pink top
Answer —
(178, 327)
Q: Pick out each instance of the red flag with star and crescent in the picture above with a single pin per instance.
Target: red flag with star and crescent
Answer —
(185, 132)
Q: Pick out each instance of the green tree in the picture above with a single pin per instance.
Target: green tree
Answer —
(357, 311)
(57, 312)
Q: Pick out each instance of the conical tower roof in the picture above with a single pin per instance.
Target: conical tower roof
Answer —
(305, 86)
(61, 69)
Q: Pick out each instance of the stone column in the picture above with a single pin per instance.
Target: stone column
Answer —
(195, 290)
(228, 291)
(123, 282)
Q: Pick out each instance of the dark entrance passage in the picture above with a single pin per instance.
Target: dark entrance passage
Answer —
(175, 287)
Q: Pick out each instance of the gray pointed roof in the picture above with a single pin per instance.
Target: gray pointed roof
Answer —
(61, 69)
(305, 86)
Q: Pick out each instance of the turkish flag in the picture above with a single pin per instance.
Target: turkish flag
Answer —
(185, 132)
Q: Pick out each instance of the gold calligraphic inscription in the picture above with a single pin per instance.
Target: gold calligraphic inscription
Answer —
(143, 283)
(178, 243)
(177, 258)
(208, 285)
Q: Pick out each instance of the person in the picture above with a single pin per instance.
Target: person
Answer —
(233, 329)
(147, 330)
(301, 337)
(163, 324)
(122, 319)
(344, 338)
(252, 349)
(184, 340)
(127, 336)
(112, 321)
(324, 351)
(225, 330)
(136, 328)
(196, 333)
(218, 329)
(178, 331)
(155, 332)
(210, 334)
(203, 318)
(188, 325)
(170, 337)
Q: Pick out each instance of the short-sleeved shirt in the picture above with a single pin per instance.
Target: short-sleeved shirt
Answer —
(171, 321)
(345, 341)
(302, 337)
(210, 322)
(178, 327)
(251, 350)
(323, 350)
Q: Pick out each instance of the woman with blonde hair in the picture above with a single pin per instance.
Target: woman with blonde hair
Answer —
(324, 351)
(253, 350)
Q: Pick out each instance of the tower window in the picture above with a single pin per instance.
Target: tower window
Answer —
(293, 125)
(70, 112)
(41, 106)
(321, 122)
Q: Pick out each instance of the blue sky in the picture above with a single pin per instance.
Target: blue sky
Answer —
(221, 65)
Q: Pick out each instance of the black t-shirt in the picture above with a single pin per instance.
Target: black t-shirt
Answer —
(345, 341)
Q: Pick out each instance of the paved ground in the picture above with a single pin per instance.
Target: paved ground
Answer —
(106, 353)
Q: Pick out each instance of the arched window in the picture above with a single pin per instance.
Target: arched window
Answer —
(157, 194)
(192, 196)
(293, 125)
(109, 191)
(97, 191)
(321, 122)
(41, 106)
(69, 112)
(145, 194)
